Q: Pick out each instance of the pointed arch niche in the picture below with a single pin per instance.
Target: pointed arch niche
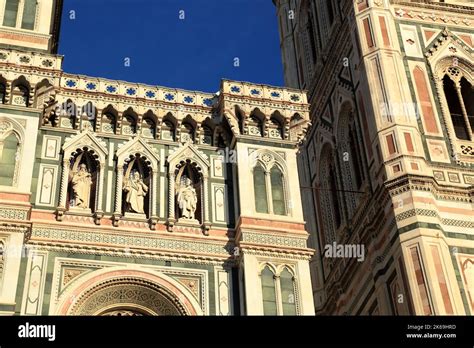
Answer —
(83, 171)
(136, 180)
(187, 162)
(11, 139)
(348, 155)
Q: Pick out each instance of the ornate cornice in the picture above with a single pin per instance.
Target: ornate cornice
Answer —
(411, 182)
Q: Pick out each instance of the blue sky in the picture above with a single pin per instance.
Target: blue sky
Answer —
(194, 53)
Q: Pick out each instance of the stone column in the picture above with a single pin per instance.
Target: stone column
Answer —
(99, 212)
(171, 198)
(154, 197)
(268, 189)
(463, 109)
(118, 195)
(64, 183)
(63, 190)
(446, 114)
(206, 199)
(153, 200)
(100, 184)
(171, 212)
(276, 279)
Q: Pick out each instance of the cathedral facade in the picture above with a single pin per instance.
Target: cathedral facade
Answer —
(120, 198)
(387, 167)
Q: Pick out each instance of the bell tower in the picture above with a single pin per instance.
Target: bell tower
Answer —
(31, 25)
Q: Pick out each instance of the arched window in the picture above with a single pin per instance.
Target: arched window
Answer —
(108, 123)
(269, 185)
(220, 140)
(255, 126)
(206, 137)
(268, 292)
(8, 149)
(20, 95)
(278, 194)
(88, 117)
(3, 91)
(167, 131)
(459, 94)
(68, 113)
(455, 110)
(260, 189)
(287, 292)
(187, 132)
(29, 14)
(148, 128)
(129, 124)
(43, 92)
(240, 119)
(11, 13)
(467, 93)
(275, 129)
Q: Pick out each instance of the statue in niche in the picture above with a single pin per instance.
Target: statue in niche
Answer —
(81, 186)
(187, 199)
(136, 191)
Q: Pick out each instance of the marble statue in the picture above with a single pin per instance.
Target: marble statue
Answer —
(136, 191)
(187, 199)
(81, 187)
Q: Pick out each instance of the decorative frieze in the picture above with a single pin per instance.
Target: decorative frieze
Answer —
(149, 243)
(274, 240)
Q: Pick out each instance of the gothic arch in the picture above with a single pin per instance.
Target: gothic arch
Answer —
(149, 125)
(169, 127)
(73, 147)
(20, 92)
(448, 71)
(443, 65)
(137, 148)
(129, 122)
(328, 195)
(256, 123)
(277, 126)
(348, 154)
(268, 159)
(268, 264)
(10, 127)
(188, 129)
(108, 120)
(118, 288)
(42, 92)
(188, 154)
(206, 133)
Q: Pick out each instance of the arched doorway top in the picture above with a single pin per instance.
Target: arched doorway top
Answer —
(138, 291)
